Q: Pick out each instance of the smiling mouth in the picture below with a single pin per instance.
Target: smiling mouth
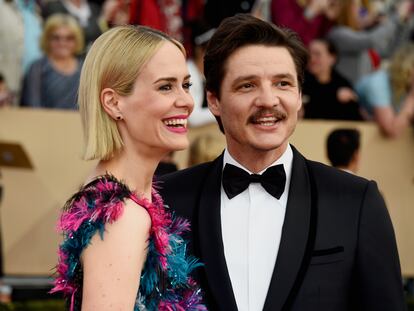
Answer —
(176, 123)
(266, 121)
(267, 118)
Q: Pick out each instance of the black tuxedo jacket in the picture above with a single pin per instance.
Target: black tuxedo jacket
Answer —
(337, 252)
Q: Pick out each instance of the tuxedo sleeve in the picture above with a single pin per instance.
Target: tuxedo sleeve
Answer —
(378, 283)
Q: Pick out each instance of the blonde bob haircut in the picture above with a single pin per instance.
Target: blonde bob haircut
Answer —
(114, 61)
(401, 71)
(56, 21)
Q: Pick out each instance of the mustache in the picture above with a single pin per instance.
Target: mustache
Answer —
(261, 113)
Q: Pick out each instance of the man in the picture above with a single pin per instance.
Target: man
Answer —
(342, 147)
(314, 239)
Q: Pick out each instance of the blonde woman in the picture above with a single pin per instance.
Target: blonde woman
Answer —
(353, 43)
(388, 94)
(122, 250)
(52, 81)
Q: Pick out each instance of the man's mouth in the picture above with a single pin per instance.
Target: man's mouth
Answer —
(266, 118)
(266, 121)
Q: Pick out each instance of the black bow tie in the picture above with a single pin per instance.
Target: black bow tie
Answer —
(236, 180)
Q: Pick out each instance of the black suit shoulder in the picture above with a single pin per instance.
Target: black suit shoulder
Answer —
(333, 179)
(184, 180)
(180, 190)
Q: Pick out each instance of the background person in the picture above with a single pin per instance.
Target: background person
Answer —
(52, 81)
(343, 149)
(388, 94)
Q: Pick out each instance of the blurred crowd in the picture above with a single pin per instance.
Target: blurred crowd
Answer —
(361, 52)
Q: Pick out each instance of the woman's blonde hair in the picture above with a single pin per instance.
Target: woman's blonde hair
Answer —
(346, 15)
(401, 72)
(61, 20)
(114, 61)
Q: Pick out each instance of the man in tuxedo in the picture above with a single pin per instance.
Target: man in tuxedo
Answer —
(274, 230)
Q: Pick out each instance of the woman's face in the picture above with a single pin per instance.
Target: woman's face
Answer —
(155, 114)
(62, 43)
(320, 60)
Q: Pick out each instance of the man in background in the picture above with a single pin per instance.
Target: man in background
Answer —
(343, 149)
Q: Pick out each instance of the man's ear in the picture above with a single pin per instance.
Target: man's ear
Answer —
(213, 103)
(110, 103)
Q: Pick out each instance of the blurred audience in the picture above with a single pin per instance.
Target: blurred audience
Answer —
(20, 29)
(343, 149)
(6, 96)
(215, 10)
(173, 17)
(388, 94)
(326, 93)
(201, 115)
(306, 17)
(204, 148)
(52, 81)
(354, 44)
(86, 13)
(114, 13)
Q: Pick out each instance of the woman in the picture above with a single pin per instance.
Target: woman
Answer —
(121, 249)
(52, 81)
(388, 95)
(85, 12)
(326, 93)
(354, 44)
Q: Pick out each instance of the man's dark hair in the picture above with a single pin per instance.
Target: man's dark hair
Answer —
(342, 145)
(243, 30)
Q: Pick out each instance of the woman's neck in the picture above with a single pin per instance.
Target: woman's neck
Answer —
(135, 170)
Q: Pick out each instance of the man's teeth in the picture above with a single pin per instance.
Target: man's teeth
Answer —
(176, 122)
(267, 121)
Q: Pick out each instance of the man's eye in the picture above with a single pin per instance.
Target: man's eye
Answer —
(246, 86)
(283, 83)
(165, 87)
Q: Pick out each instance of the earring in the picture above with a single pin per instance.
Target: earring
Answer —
(119, 118)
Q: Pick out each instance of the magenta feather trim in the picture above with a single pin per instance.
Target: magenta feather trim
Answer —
(101, 202)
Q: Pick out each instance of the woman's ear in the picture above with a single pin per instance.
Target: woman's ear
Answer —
(110, 103)
(213, 103)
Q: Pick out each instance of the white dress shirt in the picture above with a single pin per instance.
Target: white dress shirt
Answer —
(251, 224)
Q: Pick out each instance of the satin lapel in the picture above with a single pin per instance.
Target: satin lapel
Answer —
(298, 235)
(211, 242)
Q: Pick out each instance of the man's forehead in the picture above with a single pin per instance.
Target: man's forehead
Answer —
(252, 59)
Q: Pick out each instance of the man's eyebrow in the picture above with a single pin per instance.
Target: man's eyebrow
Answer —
(244, 78)
(253, 77)
(284, 75)
(171, 79)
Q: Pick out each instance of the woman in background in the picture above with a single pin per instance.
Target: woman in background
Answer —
(326, 93)
(388, 94)
(354, 43)
(122, 250)
(52, 81)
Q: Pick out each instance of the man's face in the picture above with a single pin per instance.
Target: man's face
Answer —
(259, 101)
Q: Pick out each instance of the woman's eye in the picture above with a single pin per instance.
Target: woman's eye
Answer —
(187, 85)
(165, 87)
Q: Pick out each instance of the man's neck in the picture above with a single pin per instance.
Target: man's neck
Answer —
(256, 160)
